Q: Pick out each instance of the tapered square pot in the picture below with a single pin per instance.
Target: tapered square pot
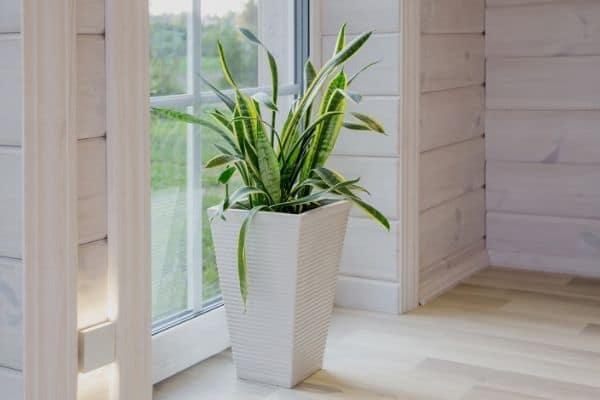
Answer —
(293, 262)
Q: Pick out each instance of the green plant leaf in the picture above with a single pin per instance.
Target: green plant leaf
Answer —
(220, 159)
(360, 71)
(268, 167)
(341, 40)
(264, 99)
(222, 96)
(371, 122)
(372, 212)
(242, 259)
(225, 66)
(226, 175)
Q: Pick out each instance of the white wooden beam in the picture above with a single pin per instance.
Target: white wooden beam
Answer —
(50, 198)
(408, 273)
(128, 168)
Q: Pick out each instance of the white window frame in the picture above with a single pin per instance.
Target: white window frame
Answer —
(175, 340)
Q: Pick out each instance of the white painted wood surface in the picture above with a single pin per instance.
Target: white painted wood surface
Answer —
(90, 16)
(542, 83)
(544, 189)
(370, 251)
(11, 313)
(408, 271)
(50, 194)
(381, 15)
(92, 284)
(91, 87)
(10, 16)
(546, 263)
(543, 146)
(578, 239)
(451, 61)
(438, 278)
(523, 31)
(452, 16)
(368, 294)
(451, 116)
(91, 188)
(11, 89)
(381, 79)
(11, 202)
(570, 137)
(128, 168)
(451, 171)
(11, 382)
(378, 174)
(451, 227)
(386, 109)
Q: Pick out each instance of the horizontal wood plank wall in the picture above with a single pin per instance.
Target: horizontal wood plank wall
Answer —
(543, 140)
(91, 172)
(11, 198)
(452, 163)
(92, 285)
(370, 261)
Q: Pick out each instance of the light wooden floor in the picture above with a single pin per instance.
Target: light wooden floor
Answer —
(503, 334)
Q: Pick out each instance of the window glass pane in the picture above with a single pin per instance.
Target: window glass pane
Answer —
(270, 20)
(221, 21)
(168, 46)
(169, 217)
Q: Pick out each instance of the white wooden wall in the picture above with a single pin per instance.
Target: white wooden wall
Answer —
(91, 178)
(11, 200)
(369, 269)
(452, 160)
(543, 135)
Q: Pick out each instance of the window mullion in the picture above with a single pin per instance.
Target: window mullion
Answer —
(194, 165)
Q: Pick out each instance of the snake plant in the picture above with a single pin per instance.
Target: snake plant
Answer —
(283, 168)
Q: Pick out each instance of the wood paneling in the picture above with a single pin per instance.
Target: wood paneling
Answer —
(90, 16)
(524, 31)
(387, 111)
(10, 16)
(541, 83)
(447, 273)
(550, 236)
(382, 15)
(91, 86)
(543, 136)
(452, 16)
(381, 79)
(544, 189)
(543, 262)
(451, 227)
(11, 203)
(451, 61)
(379, 174)
(11, 89)
(370, 251)
(92, 186)
(92, 284)
(451, 116)
(451, 171)
(367, 294)
(11, 313)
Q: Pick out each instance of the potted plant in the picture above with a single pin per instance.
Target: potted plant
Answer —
(278, 238)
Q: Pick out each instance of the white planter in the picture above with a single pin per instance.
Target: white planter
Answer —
(293, 262)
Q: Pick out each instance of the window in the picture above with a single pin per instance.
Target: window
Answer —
(186, 299)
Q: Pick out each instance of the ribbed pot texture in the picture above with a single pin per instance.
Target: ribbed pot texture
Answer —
(293, 263)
